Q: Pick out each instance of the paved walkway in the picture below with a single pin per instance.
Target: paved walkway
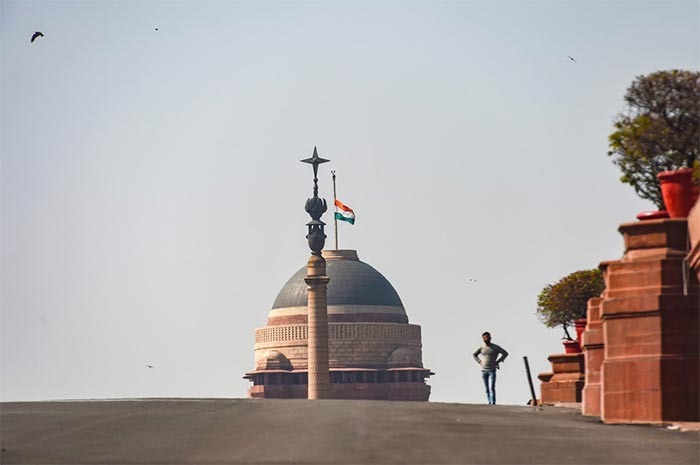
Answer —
(330, 432)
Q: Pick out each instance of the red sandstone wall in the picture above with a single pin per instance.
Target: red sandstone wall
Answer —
(408, 391)
(694, 236)
(651, 330)
(566, 381)
(594, 353)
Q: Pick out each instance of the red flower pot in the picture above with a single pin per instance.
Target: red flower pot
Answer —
(678, 191)
(656, 215)
(580, 326)
(572, 347)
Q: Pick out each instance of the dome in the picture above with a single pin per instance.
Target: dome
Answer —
(373, 352)
(355, 288)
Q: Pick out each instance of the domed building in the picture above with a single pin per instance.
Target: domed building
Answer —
(374, 352)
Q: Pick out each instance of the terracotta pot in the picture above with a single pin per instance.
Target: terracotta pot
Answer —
(656, 215)
(580, 326)
(678, 191)
(572, 347)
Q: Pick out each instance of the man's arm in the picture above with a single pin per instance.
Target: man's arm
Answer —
(503, 354)
(476, 355)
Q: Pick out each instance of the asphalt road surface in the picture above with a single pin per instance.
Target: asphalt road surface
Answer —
(207, 431)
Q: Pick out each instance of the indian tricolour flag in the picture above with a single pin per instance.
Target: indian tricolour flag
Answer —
(343, 212)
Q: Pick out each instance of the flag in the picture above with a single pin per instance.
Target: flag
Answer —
(343, 212)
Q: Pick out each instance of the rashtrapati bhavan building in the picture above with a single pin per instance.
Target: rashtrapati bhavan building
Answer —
(374, 352)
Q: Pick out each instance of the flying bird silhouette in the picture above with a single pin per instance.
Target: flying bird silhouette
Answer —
(571, 58)
(35, 35)
(149, 366)
(156, 29)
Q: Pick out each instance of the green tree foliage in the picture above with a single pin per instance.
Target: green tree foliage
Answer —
(561, 303)
(659, 131)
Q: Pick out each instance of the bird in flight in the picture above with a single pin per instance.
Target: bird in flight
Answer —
(36, 34)
(571, 58)
(472, 280)
(149, 366)
(156, 29)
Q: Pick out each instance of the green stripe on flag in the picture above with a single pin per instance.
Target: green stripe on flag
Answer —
(339, 216)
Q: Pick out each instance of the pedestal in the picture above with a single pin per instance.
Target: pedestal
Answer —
(566, 381)
(651, 333)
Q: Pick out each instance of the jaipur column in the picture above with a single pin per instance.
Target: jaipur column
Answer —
(319, 378)
(317, 304)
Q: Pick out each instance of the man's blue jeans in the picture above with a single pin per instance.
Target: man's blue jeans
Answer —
(489, 378)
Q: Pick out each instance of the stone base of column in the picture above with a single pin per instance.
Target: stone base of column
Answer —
(651, 324)
(651, 372)
(565, 383)
(659, 393)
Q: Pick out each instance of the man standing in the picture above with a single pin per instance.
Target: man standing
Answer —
(487, 355)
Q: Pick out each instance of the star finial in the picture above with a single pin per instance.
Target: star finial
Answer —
(315, 160)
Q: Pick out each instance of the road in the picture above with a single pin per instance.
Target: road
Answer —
(198, 431)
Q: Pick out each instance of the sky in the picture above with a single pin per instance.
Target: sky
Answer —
(153, 200)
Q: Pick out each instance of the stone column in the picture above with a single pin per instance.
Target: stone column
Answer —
(319, 377)
(651, 328)
(317, 304)
(694, 234)
(592, 344)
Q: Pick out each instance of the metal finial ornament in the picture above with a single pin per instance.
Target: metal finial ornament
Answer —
(316, 206)
(315, 160)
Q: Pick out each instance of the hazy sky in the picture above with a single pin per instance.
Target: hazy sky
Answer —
(153, 199)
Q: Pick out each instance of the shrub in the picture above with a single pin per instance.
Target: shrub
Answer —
(659, 131)
(561, 303)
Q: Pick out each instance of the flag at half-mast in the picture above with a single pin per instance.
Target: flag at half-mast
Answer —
(343, 212)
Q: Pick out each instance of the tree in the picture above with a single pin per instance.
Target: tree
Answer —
(561, 303)
(660, 130)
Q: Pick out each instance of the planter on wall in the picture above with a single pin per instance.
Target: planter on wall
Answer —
(678, 191)
(572, 347)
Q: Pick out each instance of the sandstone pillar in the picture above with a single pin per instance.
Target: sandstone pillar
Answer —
(592, 344)
(694, 233)
(319, 377)
(317, 303)
(651, 333)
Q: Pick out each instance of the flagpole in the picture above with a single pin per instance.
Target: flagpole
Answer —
(335, 218)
